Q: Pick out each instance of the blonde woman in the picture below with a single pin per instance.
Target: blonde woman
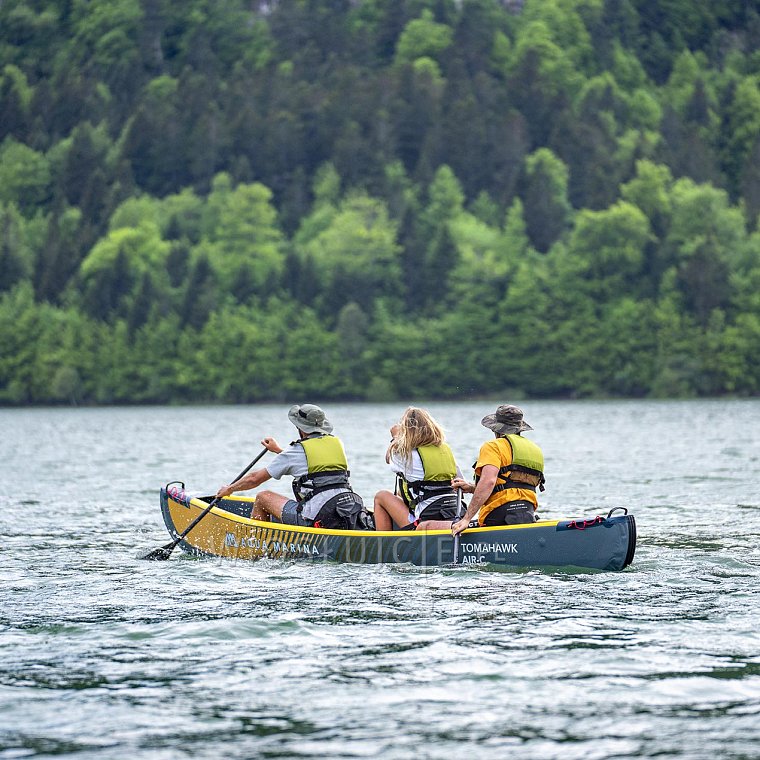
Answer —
(424, 465)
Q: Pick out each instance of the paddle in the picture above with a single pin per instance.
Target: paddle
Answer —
(164, 552)
(456, 538)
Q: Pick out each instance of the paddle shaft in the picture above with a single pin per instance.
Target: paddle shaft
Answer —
(216, 499)
(164, 551)
(459, 514)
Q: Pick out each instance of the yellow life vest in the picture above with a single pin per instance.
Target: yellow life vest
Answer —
(324, 454)
(439, 467)
(326, 464)
(521, 473)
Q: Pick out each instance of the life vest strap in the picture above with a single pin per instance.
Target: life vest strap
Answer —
(402, 491)
(509, 483)
(431, 485)
(420, 490)
(316, 482)
(507, 471)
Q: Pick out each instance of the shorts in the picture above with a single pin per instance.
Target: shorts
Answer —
(511, 513)
(444, 508)
(291, 515)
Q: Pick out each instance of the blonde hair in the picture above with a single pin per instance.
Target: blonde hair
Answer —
(417, 428)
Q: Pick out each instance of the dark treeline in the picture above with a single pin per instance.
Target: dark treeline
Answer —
(240, 201)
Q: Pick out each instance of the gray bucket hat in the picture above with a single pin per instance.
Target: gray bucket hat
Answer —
(309, 418)
(507, 419)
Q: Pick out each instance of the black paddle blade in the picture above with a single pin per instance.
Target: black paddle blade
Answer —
(161, 554)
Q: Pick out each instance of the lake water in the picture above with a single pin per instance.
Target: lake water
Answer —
(103, 655)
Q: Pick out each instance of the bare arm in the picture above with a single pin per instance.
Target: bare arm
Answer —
(482, 491)
(251, 480)
(256, 477)
(394, 433)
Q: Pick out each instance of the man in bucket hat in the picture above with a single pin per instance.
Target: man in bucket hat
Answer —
(508, 471)
(317, 463)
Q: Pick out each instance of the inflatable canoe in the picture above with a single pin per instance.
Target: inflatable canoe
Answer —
(599, 543)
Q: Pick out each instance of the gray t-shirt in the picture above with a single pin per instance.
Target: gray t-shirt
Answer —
(292, 461)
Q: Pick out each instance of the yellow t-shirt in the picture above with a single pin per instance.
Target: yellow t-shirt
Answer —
(498, 453)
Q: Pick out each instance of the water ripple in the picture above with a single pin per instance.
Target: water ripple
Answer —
(104, 656)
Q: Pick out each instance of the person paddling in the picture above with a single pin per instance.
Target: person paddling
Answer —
(508, 471)
(424, 465)
(317, 463)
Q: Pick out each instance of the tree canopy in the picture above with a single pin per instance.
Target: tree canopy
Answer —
(241, 201)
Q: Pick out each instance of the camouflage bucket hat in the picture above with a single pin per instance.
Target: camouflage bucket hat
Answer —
(309, 418)
(507, 419)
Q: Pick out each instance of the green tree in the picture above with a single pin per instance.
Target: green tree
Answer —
(677, 365)
(546, 207)
(117, 266)
(602, 136)
(422, 37)
(623, 359)
(151, 140)
(351, 332)
(244, 243)
(416, 113)
(15, 256)
(567, 23)
(650, 190)
(478, 257)
(612, 244)
(691, 121)
(24, 176)
(705, 239)
(750, 184)
(86, 170)
(435, 254)
(541, 79)
(356, 257)
(60, 253)
(201, 295)
(20, 319)
(15, 99)
(743, 127)
(105, 42)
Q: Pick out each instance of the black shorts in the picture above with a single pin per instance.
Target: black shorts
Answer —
(511, 513)
(444, 508)
(291, 515)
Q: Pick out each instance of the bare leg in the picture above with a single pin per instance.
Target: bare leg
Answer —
(389, 508)
(435, 525)
(268, 503)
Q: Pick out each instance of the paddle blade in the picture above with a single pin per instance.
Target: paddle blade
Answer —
(161, 554)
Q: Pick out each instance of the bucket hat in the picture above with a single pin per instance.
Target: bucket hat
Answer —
(309, 418)
(507, 419)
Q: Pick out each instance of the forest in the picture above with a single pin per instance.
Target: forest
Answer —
(266, 200)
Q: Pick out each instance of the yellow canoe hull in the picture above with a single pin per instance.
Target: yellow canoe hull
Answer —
(603, 543)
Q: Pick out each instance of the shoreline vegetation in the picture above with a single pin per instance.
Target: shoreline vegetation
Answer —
(246, 202)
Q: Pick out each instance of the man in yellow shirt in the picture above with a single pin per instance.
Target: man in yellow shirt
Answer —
(508, 472)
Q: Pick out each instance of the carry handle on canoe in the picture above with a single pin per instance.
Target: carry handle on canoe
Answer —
(459, 515)
(164, 552)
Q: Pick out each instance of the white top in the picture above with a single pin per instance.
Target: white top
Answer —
(292, 461)
(414, 471)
